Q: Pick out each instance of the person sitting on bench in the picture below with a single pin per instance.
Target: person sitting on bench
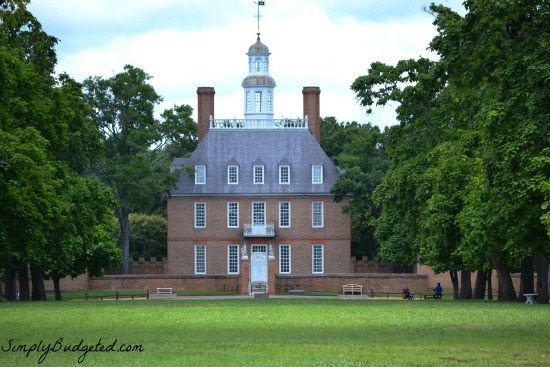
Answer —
(438, 290)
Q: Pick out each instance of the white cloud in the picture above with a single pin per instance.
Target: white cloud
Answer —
(204, 43)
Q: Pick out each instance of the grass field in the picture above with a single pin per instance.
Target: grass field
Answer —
(275, 332)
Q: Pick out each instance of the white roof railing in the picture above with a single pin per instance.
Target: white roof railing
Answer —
(282, 123)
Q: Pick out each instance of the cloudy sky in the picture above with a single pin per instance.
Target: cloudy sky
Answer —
(185, 44)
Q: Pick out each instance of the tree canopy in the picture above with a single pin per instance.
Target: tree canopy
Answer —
(137, 147)
(468, 169)
(46, 141)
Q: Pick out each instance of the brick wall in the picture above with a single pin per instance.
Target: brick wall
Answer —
(418, 283)
(334, 282)
(179, 283)
(182, 236)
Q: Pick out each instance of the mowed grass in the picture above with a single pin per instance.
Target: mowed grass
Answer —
(279, 332)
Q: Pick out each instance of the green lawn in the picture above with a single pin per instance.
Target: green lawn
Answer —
(279, 332)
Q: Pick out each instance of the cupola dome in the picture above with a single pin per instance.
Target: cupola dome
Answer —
(258, 48)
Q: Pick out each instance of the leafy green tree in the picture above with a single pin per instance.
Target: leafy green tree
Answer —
(135, 164)
(25, 193)
(499, 52)
(80, 241)
(491, 79)
(44, 131)
(27, 59)
(365, 162)
(148, 236)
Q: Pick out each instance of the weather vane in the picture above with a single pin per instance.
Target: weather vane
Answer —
(260, 3)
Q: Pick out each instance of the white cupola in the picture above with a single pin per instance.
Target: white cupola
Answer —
(258, 85)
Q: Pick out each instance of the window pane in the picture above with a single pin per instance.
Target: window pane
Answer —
(258, 102)
(232, 175)
(233, 215)
(317, 214)
(284, 214)
(200, 259)
(317, 258)
(258, 174)
(200, 215)
(284, 174)
(233, 259)
(200, 175)
(317, 174)
(258, 214)
(284, 259)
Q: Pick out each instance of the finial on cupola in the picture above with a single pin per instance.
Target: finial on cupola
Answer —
(259, 3)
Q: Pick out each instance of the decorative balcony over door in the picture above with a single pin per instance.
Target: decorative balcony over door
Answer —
(251, 230)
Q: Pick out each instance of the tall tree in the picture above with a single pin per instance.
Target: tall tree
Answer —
(135, 164)
(491, 79)
(44, 130)
(365, 162)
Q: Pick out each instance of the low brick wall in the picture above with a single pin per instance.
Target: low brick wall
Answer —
(179, 283)
(230, 283)
(334, 282)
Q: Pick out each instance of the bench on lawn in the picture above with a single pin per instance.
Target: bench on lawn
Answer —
(352, 288)
(296, 291)
(164, 290)
(432, 296)
(116, 296)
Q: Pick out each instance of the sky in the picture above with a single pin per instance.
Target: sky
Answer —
(186, 44)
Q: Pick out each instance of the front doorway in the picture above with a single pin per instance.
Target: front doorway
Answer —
(258, 269)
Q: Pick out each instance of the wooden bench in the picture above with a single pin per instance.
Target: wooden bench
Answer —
(164, 290)
(432, 296)
(297, 291)
(352, 288)
(117, 296)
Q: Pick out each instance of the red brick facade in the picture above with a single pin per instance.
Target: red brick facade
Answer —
(301, 236)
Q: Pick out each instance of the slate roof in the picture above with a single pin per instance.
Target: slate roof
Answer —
(246, 148)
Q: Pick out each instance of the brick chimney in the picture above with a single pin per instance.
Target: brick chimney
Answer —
(311, 110)
(205, 109)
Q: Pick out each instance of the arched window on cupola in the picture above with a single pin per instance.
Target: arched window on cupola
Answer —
(258, 65)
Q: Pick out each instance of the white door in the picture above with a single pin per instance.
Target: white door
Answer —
(258, 263)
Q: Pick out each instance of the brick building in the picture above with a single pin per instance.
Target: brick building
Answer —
(253, 200)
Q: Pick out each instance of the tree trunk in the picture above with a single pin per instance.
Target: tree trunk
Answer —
(56, 288)
(490, 285)
(454, 281)
(465, 284)
(38, 289)
(506, 291)
(542, 279)
(23, 273)
(11, 284)
(122, 215)
(479, 287)
(527, 279)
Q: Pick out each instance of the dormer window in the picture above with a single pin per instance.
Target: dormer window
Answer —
(258, 175)
(233, 175)
(200, 175)
(284, 175)
(317, 174)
